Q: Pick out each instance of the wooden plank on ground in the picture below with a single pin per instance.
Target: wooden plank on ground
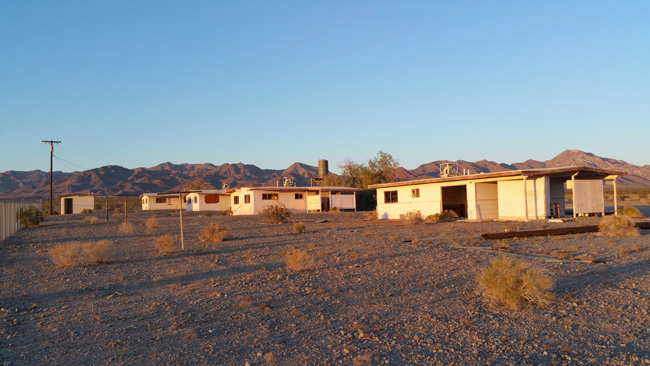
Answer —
(541, 232)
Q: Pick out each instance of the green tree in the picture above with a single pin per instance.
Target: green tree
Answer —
(380, 169)
(333, 180)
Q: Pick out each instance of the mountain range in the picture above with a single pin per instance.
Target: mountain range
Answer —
(117, 180)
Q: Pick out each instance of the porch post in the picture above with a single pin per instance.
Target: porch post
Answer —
(615, 199)
(573, 193)
(526, 197)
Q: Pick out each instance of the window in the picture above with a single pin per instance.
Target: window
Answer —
(390, 197)
(211, 198)
(188, 201)
(235, 200)
(161, 200)
(195, 199)
(298, 196)
(269, 196)
(247, 198)
(415, 193)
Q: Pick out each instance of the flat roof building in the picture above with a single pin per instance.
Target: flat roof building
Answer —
(517, 194)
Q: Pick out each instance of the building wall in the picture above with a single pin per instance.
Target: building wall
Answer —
(79, 203)
(512, 204)
(202, 205)
(172, 203)
(313, 201)
(344, 201)
(428, 203)
(588, 196)
(257, 204)
(486, 203)
(242, 208)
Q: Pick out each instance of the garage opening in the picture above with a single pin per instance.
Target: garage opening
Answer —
(455, 199)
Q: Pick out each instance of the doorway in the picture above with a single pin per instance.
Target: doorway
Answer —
(455, 199)
(67, 206)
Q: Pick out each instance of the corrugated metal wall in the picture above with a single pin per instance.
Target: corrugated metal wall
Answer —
(10, 217)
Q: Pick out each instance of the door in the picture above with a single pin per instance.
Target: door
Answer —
(67, 206)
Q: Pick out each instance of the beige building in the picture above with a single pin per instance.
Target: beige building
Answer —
(74, 203)
(161, 201)
(252, 200)
(207, 200)
(508, 195)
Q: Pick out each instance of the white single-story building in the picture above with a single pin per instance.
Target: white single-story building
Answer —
(509, 195)
(252, 200)
(161, 201)
(207, 200)
(74, 203)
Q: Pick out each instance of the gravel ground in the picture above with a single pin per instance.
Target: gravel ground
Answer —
(379, 293)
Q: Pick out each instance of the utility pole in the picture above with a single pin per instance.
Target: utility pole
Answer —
(51, 142)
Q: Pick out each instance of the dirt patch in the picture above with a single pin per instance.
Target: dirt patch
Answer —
(378, 292)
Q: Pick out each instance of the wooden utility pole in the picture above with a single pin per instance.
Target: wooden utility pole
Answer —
(51, 142)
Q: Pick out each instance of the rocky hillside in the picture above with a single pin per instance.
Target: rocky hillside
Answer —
(115, 180)
(637, 176)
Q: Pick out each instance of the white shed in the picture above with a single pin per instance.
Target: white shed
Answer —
(161, 201)
(252, 200)
(207, 200)
(518, 194)
(74, 203)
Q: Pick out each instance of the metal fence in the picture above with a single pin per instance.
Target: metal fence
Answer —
(10, 217)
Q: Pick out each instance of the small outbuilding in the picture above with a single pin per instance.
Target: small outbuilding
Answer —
(207, 200)
(252, 200)
(161, 201)
(74, 203)
(509, 195)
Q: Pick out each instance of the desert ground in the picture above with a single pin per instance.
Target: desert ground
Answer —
(378, 292)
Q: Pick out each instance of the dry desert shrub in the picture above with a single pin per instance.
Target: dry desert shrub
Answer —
(513, 285)
(82, 253)
(66, 255)
(116, 214)
(91, 219)
(151, 222)
(102, 251)
(372, 215)
(275, 214)
(299, 227)
(215, 234)
(362, 360)
(298, 260)
(165, 244)
(30, 217)
(126, 228)
(630, 211)
(414, 218)
(617, 226)
(447, 215)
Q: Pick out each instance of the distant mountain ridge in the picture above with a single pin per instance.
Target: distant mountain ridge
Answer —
(116, 180)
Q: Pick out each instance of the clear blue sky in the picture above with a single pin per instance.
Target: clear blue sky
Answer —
(138, 83)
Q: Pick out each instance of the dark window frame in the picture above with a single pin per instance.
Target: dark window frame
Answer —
(390, 197)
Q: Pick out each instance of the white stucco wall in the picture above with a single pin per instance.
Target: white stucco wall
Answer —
(79, 203)
(202, 205)
(588, 196)
(512, 204)
(428, 203)
(486, 203)
(343, 201)
(172, 203)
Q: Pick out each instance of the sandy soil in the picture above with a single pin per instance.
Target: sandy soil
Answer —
(379, 293)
